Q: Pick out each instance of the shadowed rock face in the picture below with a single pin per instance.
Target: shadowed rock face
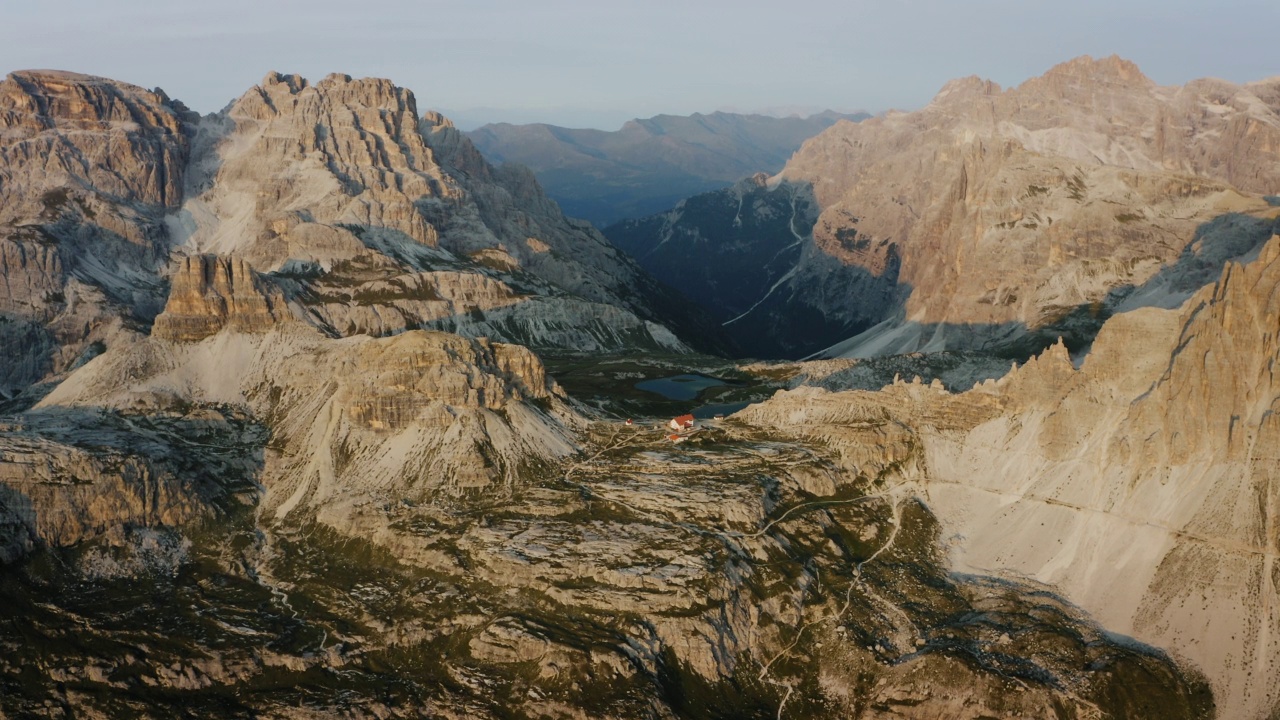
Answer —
(73, 475)
(736, 252)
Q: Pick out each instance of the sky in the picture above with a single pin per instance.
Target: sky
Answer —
(597, 64)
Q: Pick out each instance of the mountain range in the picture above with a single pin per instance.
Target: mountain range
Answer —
(309, 410)
(648, 164)
(339, 197)
(990, 219)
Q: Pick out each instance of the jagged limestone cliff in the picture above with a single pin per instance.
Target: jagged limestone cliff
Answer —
(245, 504)
(1141, 484)
(343, 188)
(340, 190)
(211, 293)
(1037, 207)
(88, 168)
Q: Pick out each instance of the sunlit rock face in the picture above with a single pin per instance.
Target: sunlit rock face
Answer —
(1142, 484)
(1036, 208)
(210, 293)
(385, 220)
(88, 169)
(118, 141)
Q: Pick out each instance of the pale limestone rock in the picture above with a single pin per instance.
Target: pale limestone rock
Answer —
(69, 475)
(994, 212)
(58, 128)
(415, 416)
(344, 178)
(212, 293)
(1142, 485)
(88, 166)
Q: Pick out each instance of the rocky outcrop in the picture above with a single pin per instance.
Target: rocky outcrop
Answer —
(421, 495)
(342, 152)
(82, 133)
(414, 300)
(211, 293)
(88, 167)
(420, 415)
(88, 161)
(1141, 484)
(68, 476)
(345, 178)
(32, 275)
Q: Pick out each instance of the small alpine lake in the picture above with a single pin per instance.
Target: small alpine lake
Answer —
(707, 412)
(680, 387)
(659, 386)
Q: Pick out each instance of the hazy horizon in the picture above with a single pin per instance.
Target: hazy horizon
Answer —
(598, 66)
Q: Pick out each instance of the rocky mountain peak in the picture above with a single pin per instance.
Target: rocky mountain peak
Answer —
(88, 169)
(343, 152)
(295, 83)
(49, 98)
(965, 88)
(434, 119)
(1111, 69)
(335, 89)
(1091, 149)
(344, 180)
(126, 141)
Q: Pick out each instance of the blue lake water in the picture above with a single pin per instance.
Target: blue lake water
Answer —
(706, 412)
(679, 387)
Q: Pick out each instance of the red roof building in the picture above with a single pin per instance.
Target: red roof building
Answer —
(684, 422)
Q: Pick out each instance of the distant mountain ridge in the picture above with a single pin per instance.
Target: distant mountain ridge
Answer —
(648, 165)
